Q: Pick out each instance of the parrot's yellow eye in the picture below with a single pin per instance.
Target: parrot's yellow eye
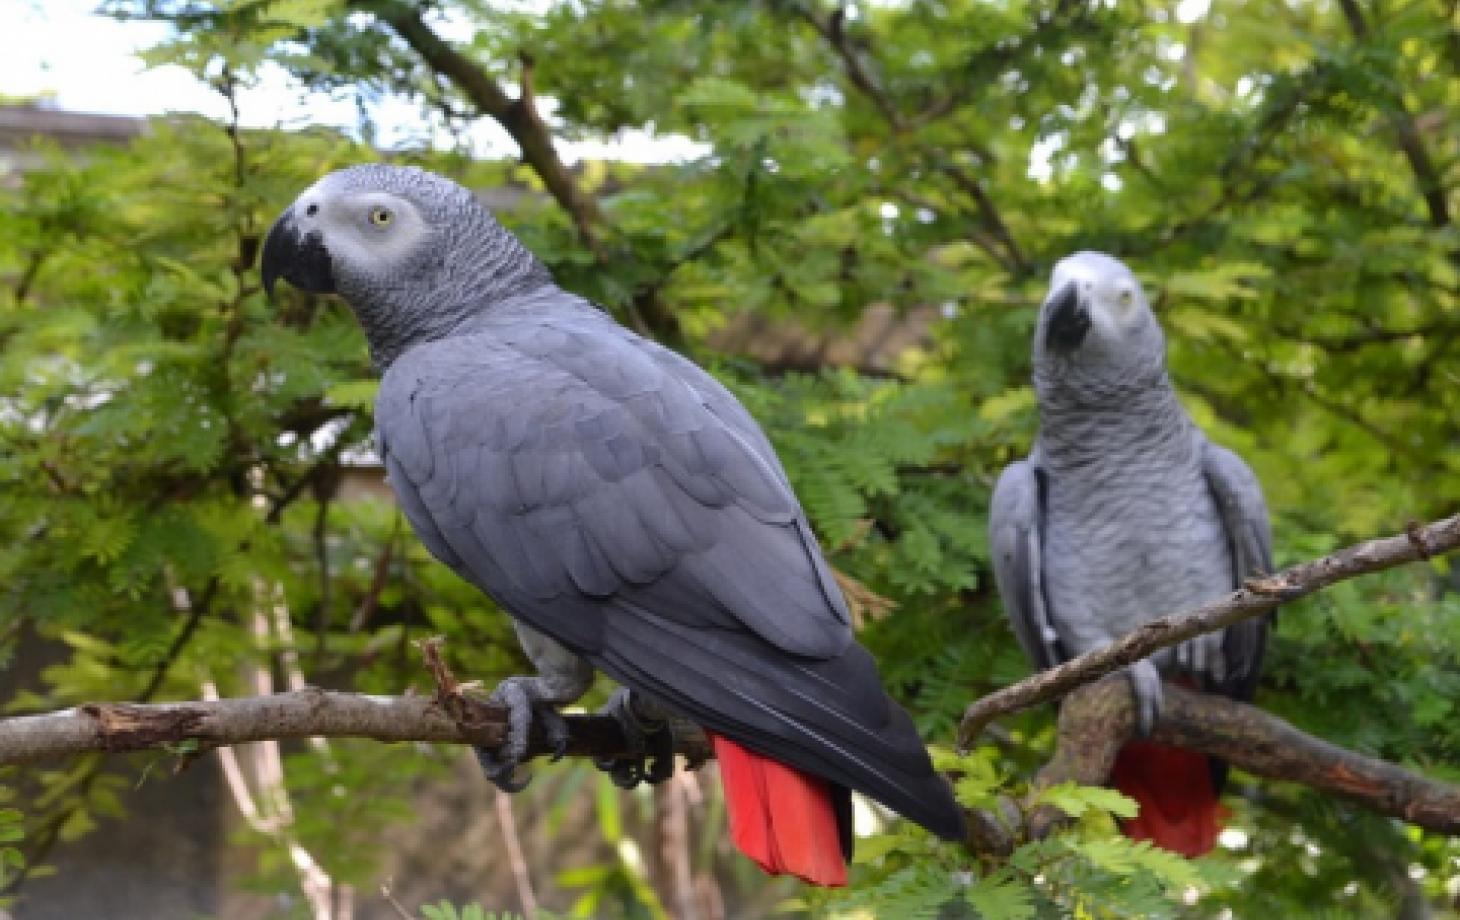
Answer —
(381, 217)
(1126, 297)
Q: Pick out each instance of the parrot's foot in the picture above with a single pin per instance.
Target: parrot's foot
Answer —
(1203, 656)
(650, 742)
(1145, 685)
(523, 698)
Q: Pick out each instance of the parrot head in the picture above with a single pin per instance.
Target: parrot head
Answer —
(412, 252)
(1096, 327)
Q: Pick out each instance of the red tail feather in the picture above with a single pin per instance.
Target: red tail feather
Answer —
(780, 817)
(1179, 808)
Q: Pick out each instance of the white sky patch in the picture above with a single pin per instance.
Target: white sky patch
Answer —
(1041, 157)
(88, 63)
(83, 62)
(1189, 11)
(865, 820)
(1233, 838)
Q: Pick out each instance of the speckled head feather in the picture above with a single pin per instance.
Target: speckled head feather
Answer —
(1097, 337)
(413, 253)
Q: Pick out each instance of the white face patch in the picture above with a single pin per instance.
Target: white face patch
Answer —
(366, 229)
(1107, 287)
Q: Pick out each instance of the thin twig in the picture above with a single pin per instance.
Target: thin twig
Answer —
(520, 875)
(399, 908)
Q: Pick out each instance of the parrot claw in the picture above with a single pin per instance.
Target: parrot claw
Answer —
(523, 698)
(1145, 683)
(555, 728)
(650, 755)
(502, 772)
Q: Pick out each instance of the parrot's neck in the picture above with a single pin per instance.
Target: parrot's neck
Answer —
(448, 292)
(1140, 421)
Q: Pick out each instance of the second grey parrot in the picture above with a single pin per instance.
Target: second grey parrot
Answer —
(1123, 512)
(620, 503)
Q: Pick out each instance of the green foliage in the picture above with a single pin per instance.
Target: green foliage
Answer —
(12, 833)
(1085, 870)
(445, 910)
(176, 453)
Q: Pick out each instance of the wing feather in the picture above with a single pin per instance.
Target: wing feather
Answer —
(1244, 515)
(618, 499)
(1015, 538)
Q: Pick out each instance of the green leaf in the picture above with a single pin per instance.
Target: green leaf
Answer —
(1076, 800)
(1000, 897)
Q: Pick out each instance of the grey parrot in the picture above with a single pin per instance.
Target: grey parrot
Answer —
(1122, 512)
(620, 504)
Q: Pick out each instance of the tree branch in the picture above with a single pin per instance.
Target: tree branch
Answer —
(1094, 722)
(832, 28)
(1098, 719)
(308, 713)
(1406, 133)
(525, 124)
(1257, 596)
(518, 116)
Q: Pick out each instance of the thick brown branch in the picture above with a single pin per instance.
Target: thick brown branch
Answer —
(310, 713)
(1264, 745)
(1258, 596)
(1096, 720)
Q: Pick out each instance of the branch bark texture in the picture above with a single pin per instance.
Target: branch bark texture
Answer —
(1098, 719)
(1094, 722)
(1256, 597)
(308, 713)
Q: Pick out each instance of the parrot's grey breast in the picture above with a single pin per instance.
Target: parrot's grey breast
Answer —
(1131, 536)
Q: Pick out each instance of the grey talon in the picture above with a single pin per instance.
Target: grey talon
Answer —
(528, 699)
(555, 731)
(501, 772)
(649, 743)
(1145, 683)
(661, 768)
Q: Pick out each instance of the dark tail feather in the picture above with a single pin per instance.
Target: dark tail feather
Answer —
(1179, 807)
(782, 818)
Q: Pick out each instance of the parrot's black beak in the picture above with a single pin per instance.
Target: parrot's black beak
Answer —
(297, 256)
(1069, 319)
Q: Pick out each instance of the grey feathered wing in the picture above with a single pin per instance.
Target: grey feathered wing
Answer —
(1016, 533)
(616, 498)
(1244, 516)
